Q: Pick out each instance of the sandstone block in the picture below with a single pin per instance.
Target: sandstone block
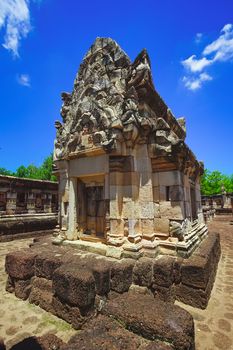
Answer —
(156, 194)
(176, 193)
(172, 210)
(170, 178)
(162, 225)
(147, 226)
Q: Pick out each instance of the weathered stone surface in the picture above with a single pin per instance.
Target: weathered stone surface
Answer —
(21, 226)
(41, 293)
(163, 271)
(153, 319)
(193, 296)
(46, 263)
(198, 273)
(20, 264)
(121, 275)
(195, 272)
(166, 294)
(22, 288)
(102, 271)
(74, 286)
(142, 272)
(103, 333)
(70, 314)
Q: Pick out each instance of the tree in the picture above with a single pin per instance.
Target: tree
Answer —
(215, 182)
(4, 171)
(44, 172)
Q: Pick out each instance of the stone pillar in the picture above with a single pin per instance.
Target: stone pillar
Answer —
(144, 202)
(72, 217)
(48, 203)
(31, 201)
(11, 202)
(115, 236)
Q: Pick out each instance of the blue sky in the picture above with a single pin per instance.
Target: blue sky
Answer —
(190, 44)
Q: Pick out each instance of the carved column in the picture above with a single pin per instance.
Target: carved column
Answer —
(72, 217)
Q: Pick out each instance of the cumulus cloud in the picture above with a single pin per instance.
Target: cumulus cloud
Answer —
(195, 83)
(24, 79)
(15, 22)
(220, 50)
(196, 65)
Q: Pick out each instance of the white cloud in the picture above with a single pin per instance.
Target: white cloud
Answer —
(15, 21)
(196, 65)
(219, 50)
(195, 83)
(222, 48)
(24, 79)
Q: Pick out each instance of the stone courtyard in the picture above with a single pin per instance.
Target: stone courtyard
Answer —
(213, 326)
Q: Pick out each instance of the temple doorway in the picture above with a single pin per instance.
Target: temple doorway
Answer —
(91, 209)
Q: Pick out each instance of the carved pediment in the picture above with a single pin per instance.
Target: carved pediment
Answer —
(111, 104)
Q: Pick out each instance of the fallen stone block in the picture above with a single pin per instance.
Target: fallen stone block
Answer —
(153, 319)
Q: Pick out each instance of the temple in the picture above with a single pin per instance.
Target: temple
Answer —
(127, 179)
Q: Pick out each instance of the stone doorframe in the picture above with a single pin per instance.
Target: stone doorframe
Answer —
(91, 208)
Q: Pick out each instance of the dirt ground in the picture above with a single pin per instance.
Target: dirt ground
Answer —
(214, 325)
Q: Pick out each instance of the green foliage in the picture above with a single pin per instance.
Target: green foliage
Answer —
(4, 171)
(44, 172)
(215, 182)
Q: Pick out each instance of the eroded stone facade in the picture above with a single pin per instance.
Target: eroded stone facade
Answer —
(126, 177)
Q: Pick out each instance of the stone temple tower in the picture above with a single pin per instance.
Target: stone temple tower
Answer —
(127, 180)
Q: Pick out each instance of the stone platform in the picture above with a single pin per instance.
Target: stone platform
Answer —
(77, 286)
(26, 225)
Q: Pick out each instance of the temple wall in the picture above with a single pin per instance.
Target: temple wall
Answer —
(27, 206)
(169, 199)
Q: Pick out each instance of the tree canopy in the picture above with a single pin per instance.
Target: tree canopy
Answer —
(215, 182)
(43, 172)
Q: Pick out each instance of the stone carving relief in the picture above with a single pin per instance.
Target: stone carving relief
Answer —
(113, 103)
